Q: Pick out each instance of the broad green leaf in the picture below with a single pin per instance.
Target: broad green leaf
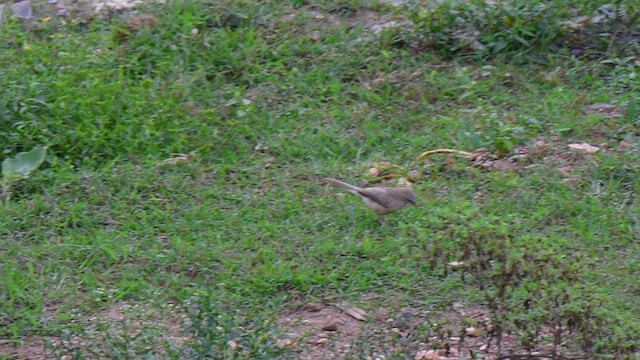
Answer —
(24, 163)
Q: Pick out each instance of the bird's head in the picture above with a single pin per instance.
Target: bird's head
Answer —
(411, 197)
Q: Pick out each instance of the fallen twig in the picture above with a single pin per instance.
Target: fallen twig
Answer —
(444, 151)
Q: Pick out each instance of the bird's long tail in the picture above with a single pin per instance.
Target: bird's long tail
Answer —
(341, 184)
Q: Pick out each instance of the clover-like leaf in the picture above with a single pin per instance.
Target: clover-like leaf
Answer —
(24, 163)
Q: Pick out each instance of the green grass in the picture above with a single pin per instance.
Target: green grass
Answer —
(267, 111)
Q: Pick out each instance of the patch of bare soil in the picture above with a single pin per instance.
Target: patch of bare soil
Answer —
(563, 158)
(131, 322)
(370, 20)
(29, 349)
(120, 323)
(318, 331)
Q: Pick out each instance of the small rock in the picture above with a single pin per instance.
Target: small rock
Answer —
(604, 109)
(282, 343)
(356, 313)
(404, 182)
(22, 10)
(427, 355)
(454, 352)
(261, 147)
(568, 181)
(413, 175)
(63, 12)
(471, 331)
(403, 320)
(373, 172)
(479, 157)
(377, 28)
(313, 307)
(483, 347)
(577, 23)
(555, 76)
(505, 165)
(565, 170)
(456, 265)
(316, 35)
(454, 339)
(539, 147)
(141, 21)
(195, 31)
(331, 325)
(624, 145)
(381, 313)
(322, 341)
(232, 344)
(584, 148)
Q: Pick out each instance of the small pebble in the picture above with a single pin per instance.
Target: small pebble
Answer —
(330, 326)
(22, 10)
(313, 307)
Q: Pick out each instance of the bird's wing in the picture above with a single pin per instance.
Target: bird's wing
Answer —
(377, 194)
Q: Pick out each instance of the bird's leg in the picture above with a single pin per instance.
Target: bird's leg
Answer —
(380, 219)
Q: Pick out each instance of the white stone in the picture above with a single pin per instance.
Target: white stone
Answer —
(584, 148)
(22, 10)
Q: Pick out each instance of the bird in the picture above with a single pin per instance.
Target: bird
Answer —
(382, 200)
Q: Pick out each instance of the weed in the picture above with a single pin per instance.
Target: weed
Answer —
(521, 27)
(222, 333)
(475, 26)
(535, 292)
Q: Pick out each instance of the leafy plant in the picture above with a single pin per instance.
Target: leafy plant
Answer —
(222, 333)
(498, 134)
(536, 292)
(20, 167)
(454, 26)
(490, 28)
